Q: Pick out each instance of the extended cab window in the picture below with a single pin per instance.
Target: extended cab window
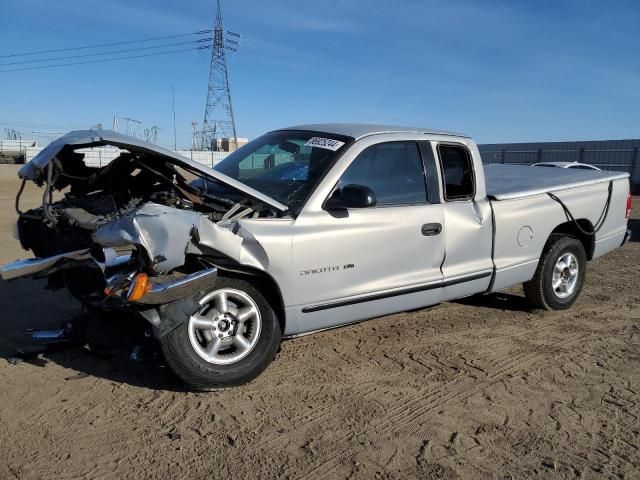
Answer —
(392, 170)
(457, 172)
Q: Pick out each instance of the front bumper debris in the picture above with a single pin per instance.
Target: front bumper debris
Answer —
(162, 288)
(165, 292)
(41, 267)
(33, 266)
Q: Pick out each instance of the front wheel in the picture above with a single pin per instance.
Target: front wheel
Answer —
(229, 340)
(560, 275)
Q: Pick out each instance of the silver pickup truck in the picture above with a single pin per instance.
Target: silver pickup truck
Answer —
(303, 229)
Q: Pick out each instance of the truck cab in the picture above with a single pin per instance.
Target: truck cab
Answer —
(426, 237)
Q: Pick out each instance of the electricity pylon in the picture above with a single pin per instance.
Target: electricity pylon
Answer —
(218, 115)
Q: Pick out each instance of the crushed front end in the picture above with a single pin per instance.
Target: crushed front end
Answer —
(147, 232)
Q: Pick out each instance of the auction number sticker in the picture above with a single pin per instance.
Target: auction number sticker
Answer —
(326, 143)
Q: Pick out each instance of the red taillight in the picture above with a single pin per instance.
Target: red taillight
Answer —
(628, 215)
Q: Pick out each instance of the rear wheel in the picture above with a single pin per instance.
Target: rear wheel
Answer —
(560, 275)
(229, 340)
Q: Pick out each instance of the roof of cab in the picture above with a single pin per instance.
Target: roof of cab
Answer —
(360, 130)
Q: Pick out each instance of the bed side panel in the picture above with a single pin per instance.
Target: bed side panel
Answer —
(523, 226)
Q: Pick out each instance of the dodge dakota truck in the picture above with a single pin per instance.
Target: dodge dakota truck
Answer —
(303, 229)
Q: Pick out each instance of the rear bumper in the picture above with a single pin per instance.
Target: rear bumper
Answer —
(627, 236)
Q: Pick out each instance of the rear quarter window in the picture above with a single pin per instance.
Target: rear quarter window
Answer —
(456, 166)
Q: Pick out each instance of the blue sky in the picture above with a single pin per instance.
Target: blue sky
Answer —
(497, 70)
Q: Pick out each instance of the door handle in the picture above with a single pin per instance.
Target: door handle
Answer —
(429, 229)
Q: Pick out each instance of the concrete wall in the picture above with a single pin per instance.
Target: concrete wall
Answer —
(15, 146)
(205, 157)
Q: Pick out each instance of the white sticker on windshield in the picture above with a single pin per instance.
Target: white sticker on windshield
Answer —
(326, 143)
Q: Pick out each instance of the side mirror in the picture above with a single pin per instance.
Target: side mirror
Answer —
(351, 196)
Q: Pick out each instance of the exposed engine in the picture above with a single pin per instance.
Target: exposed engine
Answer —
(95, 196)
(112, 213)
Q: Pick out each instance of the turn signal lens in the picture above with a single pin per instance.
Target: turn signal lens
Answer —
(628, 206)
(141, 285)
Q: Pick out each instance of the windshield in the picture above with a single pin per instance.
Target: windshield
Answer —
(284, 165)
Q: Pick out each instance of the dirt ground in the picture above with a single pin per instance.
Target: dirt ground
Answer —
(482, 388)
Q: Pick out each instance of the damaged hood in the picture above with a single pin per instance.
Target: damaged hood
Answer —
(35, 169)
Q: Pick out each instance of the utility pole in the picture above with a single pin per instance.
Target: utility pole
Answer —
(218, 115)
(173, 107)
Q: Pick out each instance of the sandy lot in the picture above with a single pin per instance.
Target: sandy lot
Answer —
(483, 388)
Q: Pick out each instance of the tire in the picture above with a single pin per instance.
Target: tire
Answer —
(540, 289)
(234, 363)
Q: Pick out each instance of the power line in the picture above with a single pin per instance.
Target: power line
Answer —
(50, 126)
(164, 37)
(112, 52)
(204, 47)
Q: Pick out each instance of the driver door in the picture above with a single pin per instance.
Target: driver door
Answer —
(357, 263)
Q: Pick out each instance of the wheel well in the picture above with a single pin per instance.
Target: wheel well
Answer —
(267, 286)
(569, 228)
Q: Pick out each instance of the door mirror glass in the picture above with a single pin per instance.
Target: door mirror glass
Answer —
(351, 196)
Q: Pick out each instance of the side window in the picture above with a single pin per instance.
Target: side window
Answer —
(457, 172)
(392, 170)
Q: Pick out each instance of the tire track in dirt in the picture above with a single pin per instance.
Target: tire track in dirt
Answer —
(321, 413)
(508, 366)
(396, 412)
(309, 419)
(461, 395)
(420, 395)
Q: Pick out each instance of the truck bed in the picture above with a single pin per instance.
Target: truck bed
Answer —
(505, 182)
